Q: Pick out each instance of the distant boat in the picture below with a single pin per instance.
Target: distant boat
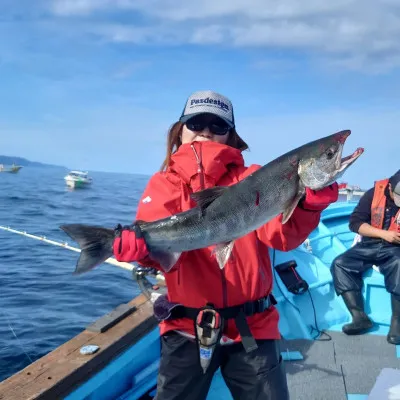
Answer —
(13, 169)
(349, 192)
(78, 179)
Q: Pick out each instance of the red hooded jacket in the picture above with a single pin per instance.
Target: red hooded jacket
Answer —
(196, 279)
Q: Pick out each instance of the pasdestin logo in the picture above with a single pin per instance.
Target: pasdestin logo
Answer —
(207, 100)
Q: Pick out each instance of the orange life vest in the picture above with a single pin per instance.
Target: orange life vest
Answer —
(378, 207)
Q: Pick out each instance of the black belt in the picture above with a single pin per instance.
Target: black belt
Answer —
(238, 313)
(250, 308)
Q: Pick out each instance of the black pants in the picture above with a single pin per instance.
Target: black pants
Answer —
(258, 375)
(347, 269)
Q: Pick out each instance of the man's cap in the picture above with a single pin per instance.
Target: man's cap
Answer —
(394, 180)
(210, 102)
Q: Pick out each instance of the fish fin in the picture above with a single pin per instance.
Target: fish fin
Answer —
(205, 197)
(165, 259)
(290, 209)
(95, 243)
(222, 252)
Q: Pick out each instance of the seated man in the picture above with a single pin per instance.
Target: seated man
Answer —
(377, 219)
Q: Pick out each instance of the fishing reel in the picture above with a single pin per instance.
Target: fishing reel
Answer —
(150, 281)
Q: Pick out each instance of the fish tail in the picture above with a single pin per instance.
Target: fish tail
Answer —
(96, 244)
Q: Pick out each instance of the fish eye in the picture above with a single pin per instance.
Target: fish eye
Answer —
(330, 153)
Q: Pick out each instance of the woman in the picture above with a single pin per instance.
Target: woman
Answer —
(204, 150)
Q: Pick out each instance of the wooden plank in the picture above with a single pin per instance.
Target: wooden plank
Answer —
(59, 372)
(109, 320)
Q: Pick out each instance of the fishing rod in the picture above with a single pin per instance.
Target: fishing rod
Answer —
(140, 273)
(65, 245)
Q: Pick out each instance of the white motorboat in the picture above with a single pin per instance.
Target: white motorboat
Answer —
(78, 179)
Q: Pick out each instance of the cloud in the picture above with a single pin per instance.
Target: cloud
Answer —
(79, 7)
(349, 34)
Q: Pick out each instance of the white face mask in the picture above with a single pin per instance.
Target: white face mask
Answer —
(396, 198)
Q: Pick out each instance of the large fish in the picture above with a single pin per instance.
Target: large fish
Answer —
(224, 214)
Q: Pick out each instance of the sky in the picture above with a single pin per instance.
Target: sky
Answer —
(96, 84)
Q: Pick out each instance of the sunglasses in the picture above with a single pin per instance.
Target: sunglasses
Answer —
(215, 127)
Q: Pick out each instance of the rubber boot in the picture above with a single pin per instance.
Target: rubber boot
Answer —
(393, 336)
(360, 323)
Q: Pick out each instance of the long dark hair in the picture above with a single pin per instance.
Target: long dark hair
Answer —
(174, 142)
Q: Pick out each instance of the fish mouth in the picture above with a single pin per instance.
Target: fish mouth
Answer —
(345, 162)
(342, 136)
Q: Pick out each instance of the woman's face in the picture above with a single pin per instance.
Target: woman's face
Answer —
(205, 127)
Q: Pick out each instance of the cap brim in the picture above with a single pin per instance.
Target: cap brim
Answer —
(185, 118)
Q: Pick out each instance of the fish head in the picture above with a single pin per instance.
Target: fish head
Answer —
(321, 164)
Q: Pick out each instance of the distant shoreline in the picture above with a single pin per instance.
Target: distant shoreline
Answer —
(9, 160)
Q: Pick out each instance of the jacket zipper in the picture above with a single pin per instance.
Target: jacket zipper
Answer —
(202, 185)
(199, 166)
(224, 298)
(224, 289)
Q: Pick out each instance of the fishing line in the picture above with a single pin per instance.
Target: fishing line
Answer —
(16, 337)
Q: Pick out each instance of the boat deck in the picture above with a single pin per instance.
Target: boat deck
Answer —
(341, 368)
